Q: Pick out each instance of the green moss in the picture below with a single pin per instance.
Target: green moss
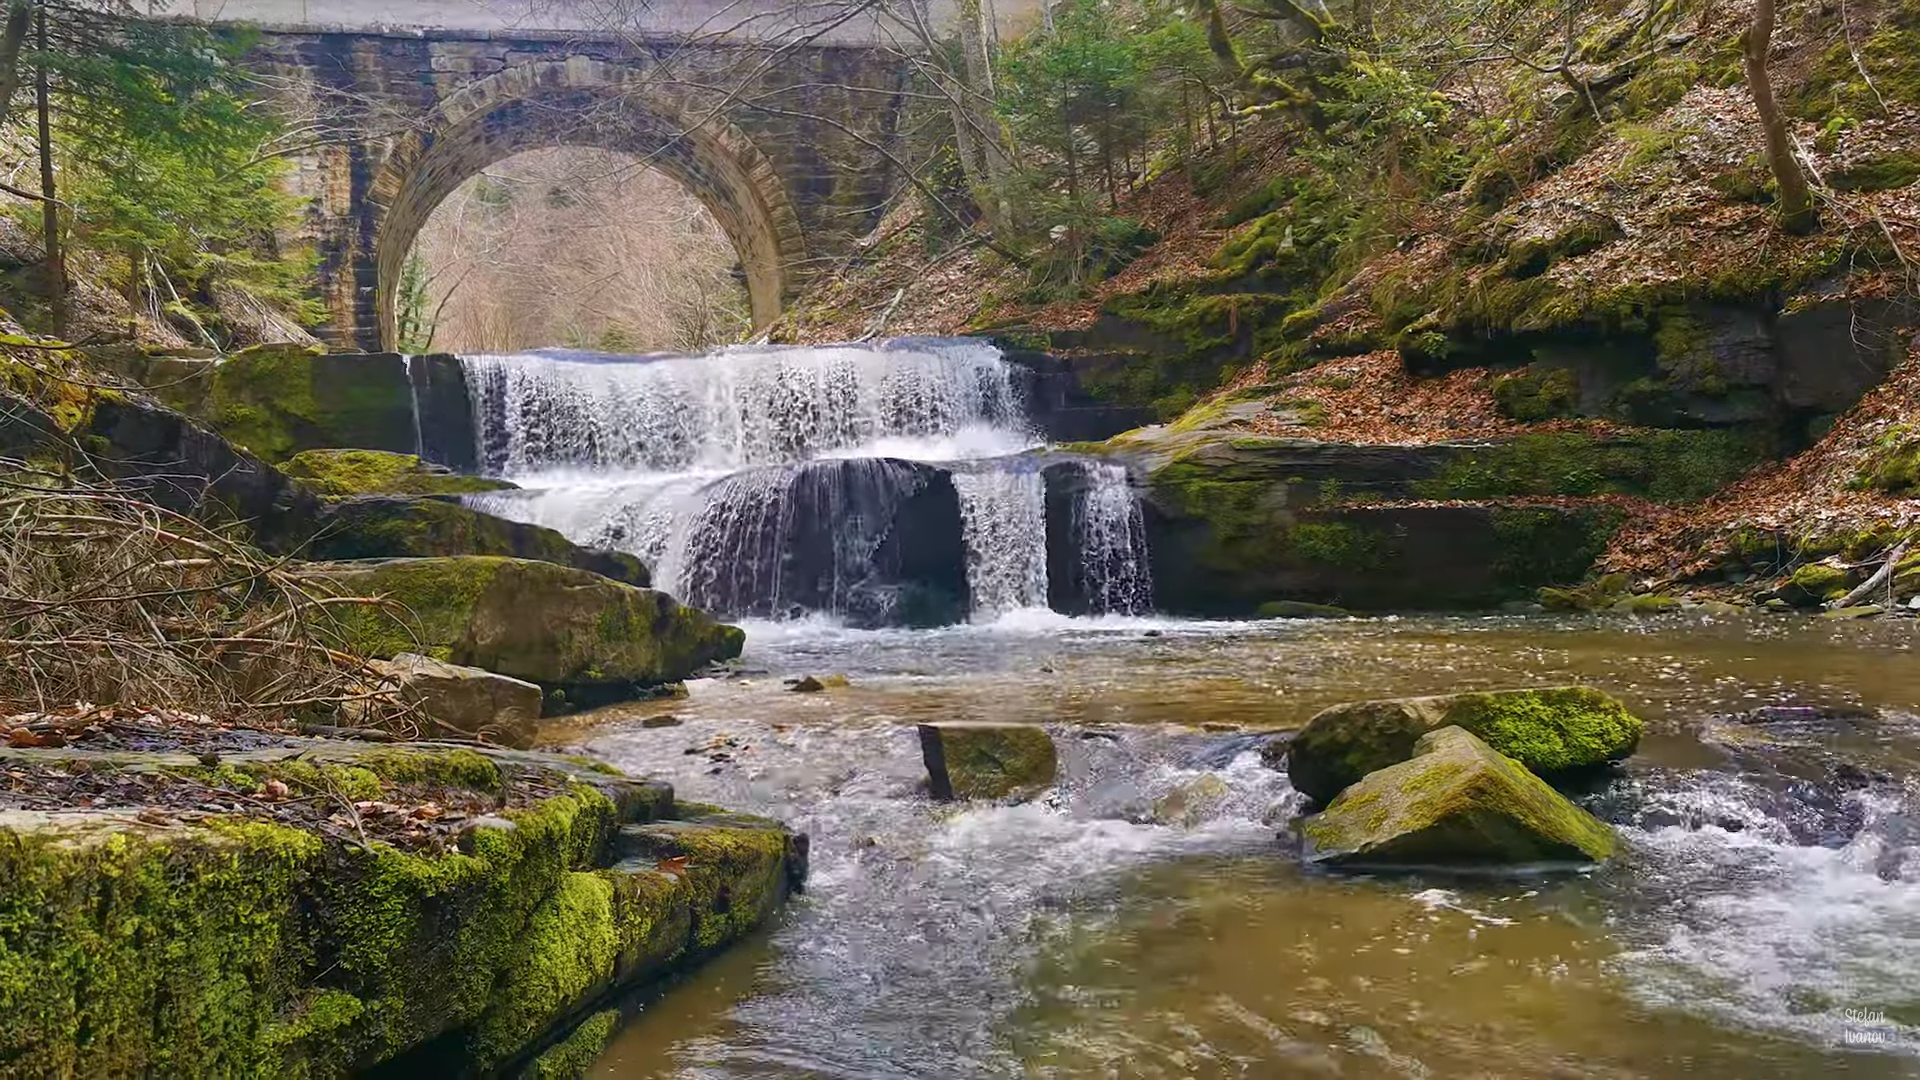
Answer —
(1669, 466)
(1549, 730)
(1342, 545)
(988, 761)
(430, 605)
(147, 952)
(573, 1056)
(1538, 394)
(1892, 465)
(276, 400)
(570, 947)
(1890, 53)
(1819, 581)
(1880, 173)
(1541, 545)
(378, 472)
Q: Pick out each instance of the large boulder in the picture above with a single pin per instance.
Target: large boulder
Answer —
(553, 625)
(976, 760)
(1547, 729)
(404, 527)
(1455, 802)
(465, 700)
(340, 473)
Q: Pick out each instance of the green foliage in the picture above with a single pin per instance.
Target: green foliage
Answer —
(162, 144)
(1672, 466)
(414, 323)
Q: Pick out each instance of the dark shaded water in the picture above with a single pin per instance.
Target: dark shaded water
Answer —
(1142, 920)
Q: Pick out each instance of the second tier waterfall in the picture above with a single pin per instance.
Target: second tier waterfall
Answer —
(886, 484)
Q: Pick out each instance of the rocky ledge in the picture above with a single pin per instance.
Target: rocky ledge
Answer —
(303, 907)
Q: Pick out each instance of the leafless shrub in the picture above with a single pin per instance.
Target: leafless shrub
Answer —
(108, 599)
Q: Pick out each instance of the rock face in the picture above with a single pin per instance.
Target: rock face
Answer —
(553, 625)
(401, 527)
(987, 760)
(144, 944)
(1548, 730)
(1235, 520)
(339, 473)
(467, 701)
(1455, 802)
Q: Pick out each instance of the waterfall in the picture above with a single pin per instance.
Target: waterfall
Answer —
(881, 484)
(413, 395)
(741, 407)
(1003, 512)
(1110, 533)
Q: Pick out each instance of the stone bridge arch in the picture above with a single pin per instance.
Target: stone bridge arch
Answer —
(581, 101)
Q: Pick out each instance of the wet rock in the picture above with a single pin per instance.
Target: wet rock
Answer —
(665, 721)
(1646, 605)
(405, 527)
(1296, 609)
(978, 760)
(1455, 802)
(342, 473)
(1547, 729)
(467, 700)
(813, 684)
(1191, 802)
(1861, 611)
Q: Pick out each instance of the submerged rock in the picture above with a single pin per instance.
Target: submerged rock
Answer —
(813, 684)
(1455, 802)
(969, 760)
(483, 903)
(1547, 729)
(467, 700)
(597, 638)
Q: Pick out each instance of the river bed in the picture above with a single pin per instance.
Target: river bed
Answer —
(1147, 917)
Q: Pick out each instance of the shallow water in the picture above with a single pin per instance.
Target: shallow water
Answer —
(1764, 920)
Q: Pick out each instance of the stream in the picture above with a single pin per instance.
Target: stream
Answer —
(893, 512)
(1143, 920)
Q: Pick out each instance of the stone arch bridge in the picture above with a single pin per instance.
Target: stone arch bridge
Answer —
(784, 131)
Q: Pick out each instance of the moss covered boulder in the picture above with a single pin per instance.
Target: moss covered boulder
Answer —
(277, 400)
(1548, 730)
(553, 625)
(339, 473)
(410, 527)
(974, 760)
(1455, 802)
(138, 939)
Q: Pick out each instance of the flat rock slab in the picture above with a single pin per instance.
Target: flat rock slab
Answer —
(1455, 803)
(267, 927)
(1547, 729)
(977, 760)
(467, 700)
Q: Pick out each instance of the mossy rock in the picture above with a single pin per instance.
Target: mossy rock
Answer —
(1892, 466)
(379, 472)
(1651, 604)
(246, 948)
(1548, 729)
(1534, 394)
(1455, 802)
(1816, 583)
(278, 400)
(987, 760)
(415, 527)
(552, 625)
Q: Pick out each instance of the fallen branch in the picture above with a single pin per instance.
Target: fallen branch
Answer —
(1878, 579)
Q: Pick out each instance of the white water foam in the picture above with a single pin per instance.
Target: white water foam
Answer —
(1821, 942)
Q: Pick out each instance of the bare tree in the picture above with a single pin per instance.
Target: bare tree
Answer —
(1797, 212)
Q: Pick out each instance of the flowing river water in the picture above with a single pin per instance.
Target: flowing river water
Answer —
(1148, 917)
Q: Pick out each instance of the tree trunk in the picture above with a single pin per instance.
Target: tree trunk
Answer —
(1796, 199)
(990, 176)
(12, 37)
(50, 207)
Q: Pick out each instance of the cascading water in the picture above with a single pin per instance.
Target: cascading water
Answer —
(892, 483)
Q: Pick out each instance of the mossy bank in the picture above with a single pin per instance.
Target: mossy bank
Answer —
(141, 942)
